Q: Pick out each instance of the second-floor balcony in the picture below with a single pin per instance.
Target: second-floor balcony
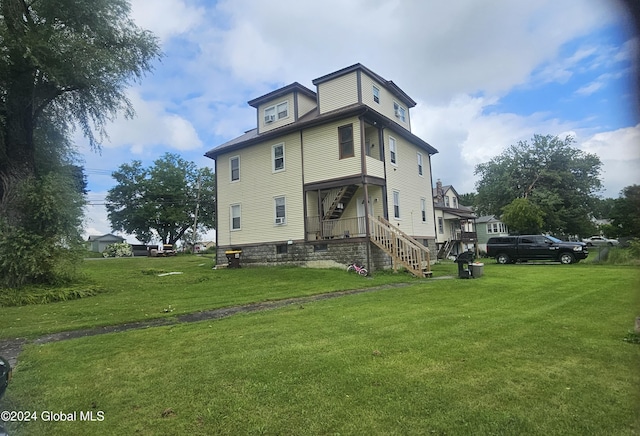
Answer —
(318, 228)
(459, 235)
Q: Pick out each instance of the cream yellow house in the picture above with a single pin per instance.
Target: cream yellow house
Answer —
(331, 174)
(455, 223)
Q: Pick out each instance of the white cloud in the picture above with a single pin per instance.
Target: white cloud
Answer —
(619, 151)
(152, 126)
(166, 18)
(466, 132)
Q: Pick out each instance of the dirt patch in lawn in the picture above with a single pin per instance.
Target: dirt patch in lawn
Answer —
(10, 349)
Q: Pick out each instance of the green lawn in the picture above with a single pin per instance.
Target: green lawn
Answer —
(526, 349)
(133, 291)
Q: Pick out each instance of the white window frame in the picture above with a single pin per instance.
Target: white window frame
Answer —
(231, 159)
(400, 112)
(446, 201)
(237, 207)
(440, 225)
(276, 112)
(274, 158)
(423, 209)
(420, 167)
(455, 202)
(269, 114)
(376, 94)
(396, 205)
(280, 220)
(393, 151)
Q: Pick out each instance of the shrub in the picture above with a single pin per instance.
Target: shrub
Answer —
(118, 250)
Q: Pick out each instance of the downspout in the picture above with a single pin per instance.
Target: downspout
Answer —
(304, 193)
(363, 163)
(215, 208)
(433, 208)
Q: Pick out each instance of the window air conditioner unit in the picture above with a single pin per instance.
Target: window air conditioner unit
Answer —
(269, 118)
(280, 220)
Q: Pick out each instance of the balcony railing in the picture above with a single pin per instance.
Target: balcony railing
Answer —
(317, 228)
(465, 236)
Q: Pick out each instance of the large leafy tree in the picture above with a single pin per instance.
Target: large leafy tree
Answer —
(560, 180)
(162, 200)
(63, 64)
(625, 214)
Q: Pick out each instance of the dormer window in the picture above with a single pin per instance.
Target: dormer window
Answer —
(455, 202)
(400, 112)
(276, 112)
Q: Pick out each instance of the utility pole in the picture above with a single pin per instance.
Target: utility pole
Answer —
(195, 218)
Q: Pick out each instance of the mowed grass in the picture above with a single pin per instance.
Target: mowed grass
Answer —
(133, 291)
(526, 349)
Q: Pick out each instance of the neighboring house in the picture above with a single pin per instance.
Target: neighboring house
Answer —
(99, 243)
(455, 228)
(488, 226)
(331, 174)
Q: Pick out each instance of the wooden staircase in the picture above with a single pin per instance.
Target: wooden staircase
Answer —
(335, 198)
(445, 250)
(403, 249)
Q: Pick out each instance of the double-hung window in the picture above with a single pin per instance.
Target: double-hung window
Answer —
(440, 225)
(345, 137)
(277, 155)
(392, 150)
(423, 209)
(376, 94)
(280, 211)
(276, 112)
(234, 168)
(235, 217)
(446, 201)
(400, 112)
(420, 164)
(396, 204)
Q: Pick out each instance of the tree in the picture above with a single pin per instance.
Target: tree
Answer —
(468, 199)
(625, 215)
(63, 64)
(162, 200)
(523, 217)
(555, 177)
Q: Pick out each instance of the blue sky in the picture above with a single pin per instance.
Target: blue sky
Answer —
(485, 75)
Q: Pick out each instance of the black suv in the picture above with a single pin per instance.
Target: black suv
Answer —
(509, 249)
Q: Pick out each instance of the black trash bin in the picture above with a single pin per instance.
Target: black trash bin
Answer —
(463, 260)
(233, 257)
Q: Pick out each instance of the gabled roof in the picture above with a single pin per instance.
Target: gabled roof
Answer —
(487, 219)
(445, 188)
(108, 236)
(295, 86)
(392, 87)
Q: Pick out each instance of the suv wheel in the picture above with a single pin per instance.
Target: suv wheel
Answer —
(567, 258)
(502, 259)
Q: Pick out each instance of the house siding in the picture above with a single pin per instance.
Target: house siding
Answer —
(385, 107)
(322, 152)
(265, 127)
(338, 93)
(255, 192)
(412, 187)
(305, 104)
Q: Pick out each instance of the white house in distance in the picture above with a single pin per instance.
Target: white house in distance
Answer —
(455, 223)
(98, 243)
(331, 174)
